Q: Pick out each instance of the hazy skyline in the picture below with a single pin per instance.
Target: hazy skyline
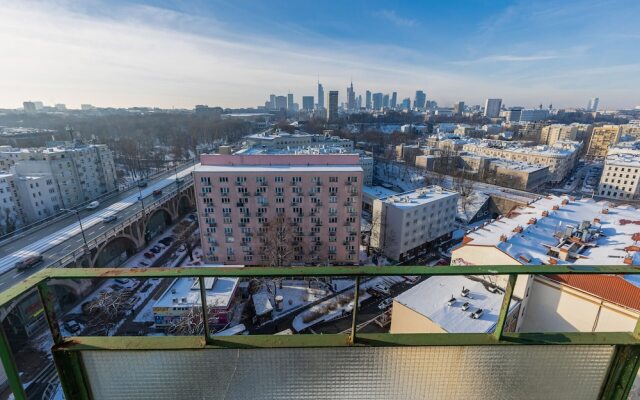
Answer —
(125, 53)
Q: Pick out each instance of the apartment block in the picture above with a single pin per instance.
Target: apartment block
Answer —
(280, 209)
(406, 224)
(602, 138)
(621, 174)
(551, 134)
(38, 196)
(11, 214)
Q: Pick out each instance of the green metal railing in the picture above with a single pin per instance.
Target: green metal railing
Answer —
(66, 350)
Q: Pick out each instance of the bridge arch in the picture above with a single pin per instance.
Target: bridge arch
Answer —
(157, 222)
(113, 252)
(185, 204)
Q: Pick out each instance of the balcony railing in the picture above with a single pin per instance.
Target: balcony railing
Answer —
(598, 365)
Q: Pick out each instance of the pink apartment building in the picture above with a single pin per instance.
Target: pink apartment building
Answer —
(310, 202)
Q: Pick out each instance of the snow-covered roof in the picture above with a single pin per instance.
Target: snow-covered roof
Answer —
(430, 298)
(262, 303)
(278, 168)
(377, 192)
(542, 223)
(418, 197)
(186, 292)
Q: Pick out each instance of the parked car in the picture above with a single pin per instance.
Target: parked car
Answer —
(382, 288)
(131, 301)
(144, 264)
(149, 254)
(72, 326)
(109, 219)
(122, 281)
(93, 205)
(166, 241)
(157, 192)
(142, 184)
(411, 279)
(156, 249)
(29, 262)
(386, 303)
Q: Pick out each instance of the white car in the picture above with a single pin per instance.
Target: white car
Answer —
(93, 205)
(386, 303)
(382, 288)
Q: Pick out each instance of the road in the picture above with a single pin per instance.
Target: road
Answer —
(55, 240)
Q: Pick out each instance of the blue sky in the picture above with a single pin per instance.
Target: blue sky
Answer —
(235, 53)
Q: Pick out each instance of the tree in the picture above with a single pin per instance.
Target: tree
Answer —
(278, 242)
(109, 307)
(184, 232)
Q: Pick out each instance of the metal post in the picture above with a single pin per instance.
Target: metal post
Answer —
(504, 309)
(141, 200)
(49, 312)
(622, 373)
(10, 368)
(205, 312)
(84, 238)
(354, 312)
(71, 374)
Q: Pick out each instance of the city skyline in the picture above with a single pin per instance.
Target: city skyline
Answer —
(178, 55)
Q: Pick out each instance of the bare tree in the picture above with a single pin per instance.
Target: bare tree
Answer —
(277, 242)
(184, 232)
(109, 307)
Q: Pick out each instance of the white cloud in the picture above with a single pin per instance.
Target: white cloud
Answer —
(395, 19)
(507, 58)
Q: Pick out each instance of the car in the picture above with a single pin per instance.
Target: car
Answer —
(157, 192)
(72, 326)
(411, 279)
(384, 304)
(131, 301)
(180, 181)
(156, 249)
(93, 205)
(166, 241)
(29, 262)
(149, 254)
(109, 219)
(122, 281)
(142, 184)
(382, 288)
(144, 264)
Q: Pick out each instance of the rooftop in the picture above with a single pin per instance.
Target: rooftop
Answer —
(430, 298)
(418, 197)
(185, 292)
(529, 233)
(377, 192)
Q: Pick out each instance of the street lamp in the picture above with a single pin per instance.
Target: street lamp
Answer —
(141, 199)
(77, 213)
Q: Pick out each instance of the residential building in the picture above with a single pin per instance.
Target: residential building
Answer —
(11, 212)
(620, 177)
(601, 138)
(512, 114)
(307, 103)
(445, 304)
(279, 209)
(556, 230)
(551, 134)
(320, 96)
(283, 140)
(38, 196)
(406, 224)
(593, 103)
(332, 106)
(534, 114)
(372, 193)
(419, 100)
(29, 106)
(183, 297)
(492, 108)
(515, 174)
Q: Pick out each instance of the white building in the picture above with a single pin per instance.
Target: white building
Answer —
(38, 196)
(11, 214)
(492, 108)
(621, 174)
(404, 225)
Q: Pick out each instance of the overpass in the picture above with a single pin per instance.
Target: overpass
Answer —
(141, 216)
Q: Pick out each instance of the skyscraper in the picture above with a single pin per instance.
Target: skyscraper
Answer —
(420, 100)
(332, 106)
(394, 100)
(385, 101)
(377, 101)
(281, 103)
(351, 98)
(290, 106)
(272, 101)
(492, 108)
(307, 103)
(458, 108)
(593, 104)
(406, 103)
(368, 100)
(320, 96)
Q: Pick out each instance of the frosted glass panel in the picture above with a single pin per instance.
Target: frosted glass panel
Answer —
(456, 372)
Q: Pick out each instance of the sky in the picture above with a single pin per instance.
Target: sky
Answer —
(235, 53)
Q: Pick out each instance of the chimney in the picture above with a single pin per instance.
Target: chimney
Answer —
(565, 202)
(503, 238)
(517, 229)
(553, 261)
(596, 221)
(555, 208)
(533, 221)
(605, 211)
(545, 213)
(628, 260)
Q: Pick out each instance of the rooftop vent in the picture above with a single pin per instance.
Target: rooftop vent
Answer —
(451, 301)
(477, 313)
(466, 306)
(492, 288)
(464, 292)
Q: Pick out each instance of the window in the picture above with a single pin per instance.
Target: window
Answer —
(224, 179)
(333, 179)
(279, 179)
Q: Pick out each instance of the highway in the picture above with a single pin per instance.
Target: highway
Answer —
(59, 238)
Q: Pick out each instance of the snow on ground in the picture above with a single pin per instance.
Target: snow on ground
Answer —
(295, 293)
(339, 305)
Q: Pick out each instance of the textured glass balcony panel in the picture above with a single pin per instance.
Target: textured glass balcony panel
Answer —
(456, 372)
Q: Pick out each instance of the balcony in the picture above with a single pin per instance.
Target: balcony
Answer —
(352, 364)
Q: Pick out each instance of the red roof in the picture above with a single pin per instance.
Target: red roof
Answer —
(613, 288)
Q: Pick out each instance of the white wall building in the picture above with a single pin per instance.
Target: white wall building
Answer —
(38, 196)
(621, 174)
(403, 225)
(10, 212)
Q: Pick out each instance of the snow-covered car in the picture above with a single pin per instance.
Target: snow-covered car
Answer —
(386, 303)
(72, 326)
(382, 288)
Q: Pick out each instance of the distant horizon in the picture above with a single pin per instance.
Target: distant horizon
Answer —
(125, 53)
